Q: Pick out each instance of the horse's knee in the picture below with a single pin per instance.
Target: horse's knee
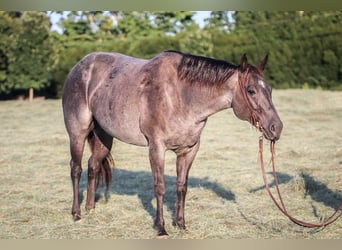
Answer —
(75, 170)
(159, 189)
(92, 173)
(181, 189)
(93, 167)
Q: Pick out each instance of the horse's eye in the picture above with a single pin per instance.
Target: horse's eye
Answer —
(251, 91)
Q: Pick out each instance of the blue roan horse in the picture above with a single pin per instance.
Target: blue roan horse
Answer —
(163, 104)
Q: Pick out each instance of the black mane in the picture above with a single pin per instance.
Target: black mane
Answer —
(204, 69)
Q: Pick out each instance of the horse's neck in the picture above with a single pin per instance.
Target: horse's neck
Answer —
(216, 104)
(206, 102)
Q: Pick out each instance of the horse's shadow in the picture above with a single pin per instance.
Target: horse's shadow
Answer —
(140, 183)
(316, 189)
(282, 178)
(320, 192)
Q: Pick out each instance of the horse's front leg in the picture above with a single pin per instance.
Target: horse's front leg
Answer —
(157, 158)
(184, 162)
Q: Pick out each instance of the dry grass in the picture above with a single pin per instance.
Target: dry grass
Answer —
(226, 197)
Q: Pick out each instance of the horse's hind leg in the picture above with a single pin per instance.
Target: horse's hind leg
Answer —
(78, 125)
(100, 144)
(76, 150)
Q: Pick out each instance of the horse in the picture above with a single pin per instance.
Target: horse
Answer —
(162, 103)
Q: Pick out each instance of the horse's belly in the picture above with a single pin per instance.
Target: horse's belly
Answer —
(122, 127)
(128, 134)
(118, 114)
(125, 127)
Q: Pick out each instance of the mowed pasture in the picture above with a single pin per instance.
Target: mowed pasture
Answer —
(226, 196)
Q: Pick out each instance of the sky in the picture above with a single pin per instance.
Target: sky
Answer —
(198, 17)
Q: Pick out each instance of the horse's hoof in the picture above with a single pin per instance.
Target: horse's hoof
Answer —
(181, 226)
(162, 234)
(76, 217)
(89, 207)
(90, 210)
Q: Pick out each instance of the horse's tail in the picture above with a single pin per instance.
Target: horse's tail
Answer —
(105, 173)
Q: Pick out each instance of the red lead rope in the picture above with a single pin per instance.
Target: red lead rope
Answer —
(281, 205)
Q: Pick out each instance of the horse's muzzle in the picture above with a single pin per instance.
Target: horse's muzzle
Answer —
(273, 131)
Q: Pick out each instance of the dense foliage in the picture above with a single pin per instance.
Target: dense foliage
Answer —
(304, 47)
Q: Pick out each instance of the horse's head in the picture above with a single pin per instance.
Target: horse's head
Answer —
(252, 100)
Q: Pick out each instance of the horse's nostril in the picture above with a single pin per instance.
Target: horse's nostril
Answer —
(275, 129)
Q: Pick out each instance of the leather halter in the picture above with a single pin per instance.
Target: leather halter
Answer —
(242, 83)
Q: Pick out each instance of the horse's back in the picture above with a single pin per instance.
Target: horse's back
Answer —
(97, 66)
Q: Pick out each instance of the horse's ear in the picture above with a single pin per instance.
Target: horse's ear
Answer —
(243, 63)
(263, 63)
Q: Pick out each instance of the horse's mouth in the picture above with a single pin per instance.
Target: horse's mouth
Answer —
(269, 135)
(258, 126)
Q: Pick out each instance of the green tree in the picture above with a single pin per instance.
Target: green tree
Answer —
(31, 53)
(135, 24)
(304, 46)
(75, 24)
(196, 41)
(221, 20)
(6, 32)
(172, 22)
(143, 24)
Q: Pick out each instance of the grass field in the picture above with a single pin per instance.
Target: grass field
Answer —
(226, 196)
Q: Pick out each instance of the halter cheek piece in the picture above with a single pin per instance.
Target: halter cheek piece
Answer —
(242, 83)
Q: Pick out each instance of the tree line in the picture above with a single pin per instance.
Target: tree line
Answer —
(304, 47)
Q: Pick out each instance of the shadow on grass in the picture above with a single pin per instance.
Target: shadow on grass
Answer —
(282, 178)
(319, 192)
(140, 183)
